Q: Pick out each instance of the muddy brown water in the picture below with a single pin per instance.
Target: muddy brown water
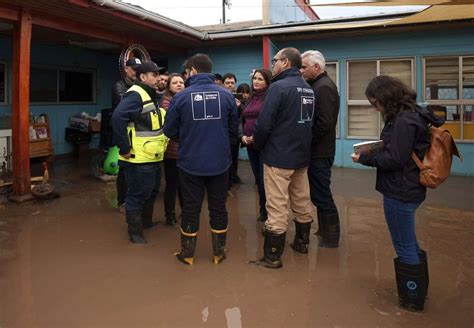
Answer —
(67, 262)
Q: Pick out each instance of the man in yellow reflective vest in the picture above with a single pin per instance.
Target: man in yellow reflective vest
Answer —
(138, 132)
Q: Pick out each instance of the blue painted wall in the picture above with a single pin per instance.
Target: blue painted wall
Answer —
(104, 65)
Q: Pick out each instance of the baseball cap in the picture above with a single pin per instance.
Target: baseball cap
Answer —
(147, 67)
(133, 62)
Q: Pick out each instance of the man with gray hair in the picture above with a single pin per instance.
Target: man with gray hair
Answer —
(323, 146)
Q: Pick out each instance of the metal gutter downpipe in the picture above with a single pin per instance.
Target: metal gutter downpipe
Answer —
(146, 15)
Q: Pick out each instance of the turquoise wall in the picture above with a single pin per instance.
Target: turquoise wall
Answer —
(106, 70)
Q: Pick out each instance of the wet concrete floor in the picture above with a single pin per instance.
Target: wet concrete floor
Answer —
(67, 262)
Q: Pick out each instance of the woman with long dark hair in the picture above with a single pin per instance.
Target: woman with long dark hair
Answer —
(260, 82)
(174, 85)
(405, 131)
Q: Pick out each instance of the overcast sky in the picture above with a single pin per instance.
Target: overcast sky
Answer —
(208, 12)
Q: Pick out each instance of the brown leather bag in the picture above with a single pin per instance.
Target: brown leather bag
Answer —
(436, 165)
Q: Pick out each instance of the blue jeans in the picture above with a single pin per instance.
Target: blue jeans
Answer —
(400, 218)
(255, 158)
(143, 181)
(319, 174)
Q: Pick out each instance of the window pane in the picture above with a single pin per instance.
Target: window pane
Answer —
(468, 123)
(399, 69)
(442, 78)
(332, 72)
(360, 74)
(363, 121)
(451, 113)
(468, 77)
(76, 86)
(3, 97)
(43, 85)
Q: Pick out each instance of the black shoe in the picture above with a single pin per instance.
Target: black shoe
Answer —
(331, 230)
(170, 219)
(188, 247)
(412, 285)
(147, 214)
(273, 248)
(135, 229)
(301, 241)
(219, 238)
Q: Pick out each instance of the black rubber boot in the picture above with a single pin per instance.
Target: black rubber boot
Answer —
(170, 218)
(331, 230)
(135, 229)
(219, 238)
(147, 214)
(412, 285)
(320, 229)
(424, 260)
(188, 247)
(301, 241)
(273, 247)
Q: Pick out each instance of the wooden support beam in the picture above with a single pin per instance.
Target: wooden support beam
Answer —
(9, 12)
(21, 107)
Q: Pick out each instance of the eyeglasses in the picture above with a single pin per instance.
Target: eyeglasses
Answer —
(274, 60)
(374, 102)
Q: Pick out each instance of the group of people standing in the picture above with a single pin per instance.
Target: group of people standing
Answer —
(288, 125)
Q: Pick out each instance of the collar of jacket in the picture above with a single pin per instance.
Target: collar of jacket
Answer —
(320, 76)
(201, 78)
(292, 71)
(151, 91)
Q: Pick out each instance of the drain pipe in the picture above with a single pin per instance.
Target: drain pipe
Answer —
(147, 15)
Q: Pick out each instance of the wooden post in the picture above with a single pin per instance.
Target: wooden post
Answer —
(21, 107)
(266, 51)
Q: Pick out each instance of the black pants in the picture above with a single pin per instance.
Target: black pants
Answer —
(234, 151)
(192, 191)
(319, 173)
(172, 186)
(121, 185)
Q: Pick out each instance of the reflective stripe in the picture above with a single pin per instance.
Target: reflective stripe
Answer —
(148, 133)
(218, 231)
(189, 234)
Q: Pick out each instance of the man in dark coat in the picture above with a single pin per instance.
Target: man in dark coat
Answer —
(323, 146)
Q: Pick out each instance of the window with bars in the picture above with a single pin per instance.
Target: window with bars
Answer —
(449, 89)
(362, 120)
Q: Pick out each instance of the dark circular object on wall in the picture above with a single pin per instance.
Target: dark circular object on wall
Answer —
(132, 51)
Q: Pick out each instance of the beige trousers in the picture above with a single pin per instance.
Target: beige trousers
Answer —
(282, 185)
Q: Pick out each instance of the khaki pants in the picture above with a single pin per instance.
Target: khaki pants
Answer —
(282, 185)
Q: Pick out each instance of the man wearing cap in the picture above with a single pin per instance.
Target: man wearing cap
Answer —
(138, 132)
(119, 89)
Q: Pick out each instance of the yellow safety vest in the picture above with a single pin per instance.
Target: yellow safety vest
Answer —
(147, 140)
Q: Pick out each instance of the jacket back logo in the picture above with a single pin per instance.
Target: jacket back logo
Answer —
(307, 109)
(206, 105)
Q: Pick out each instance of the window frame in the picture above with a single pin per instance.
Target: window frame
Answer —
(5, 101)
(332, 62)
(58, 69)
(349, 102)
(460, 101)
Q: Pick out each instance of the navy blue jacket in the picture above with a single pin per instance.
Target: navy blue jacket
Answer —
(283, 128)
(398, 176)
(203, 117)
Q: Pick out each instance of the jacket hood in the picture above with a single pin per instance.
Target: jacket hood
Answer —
(428, 115)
